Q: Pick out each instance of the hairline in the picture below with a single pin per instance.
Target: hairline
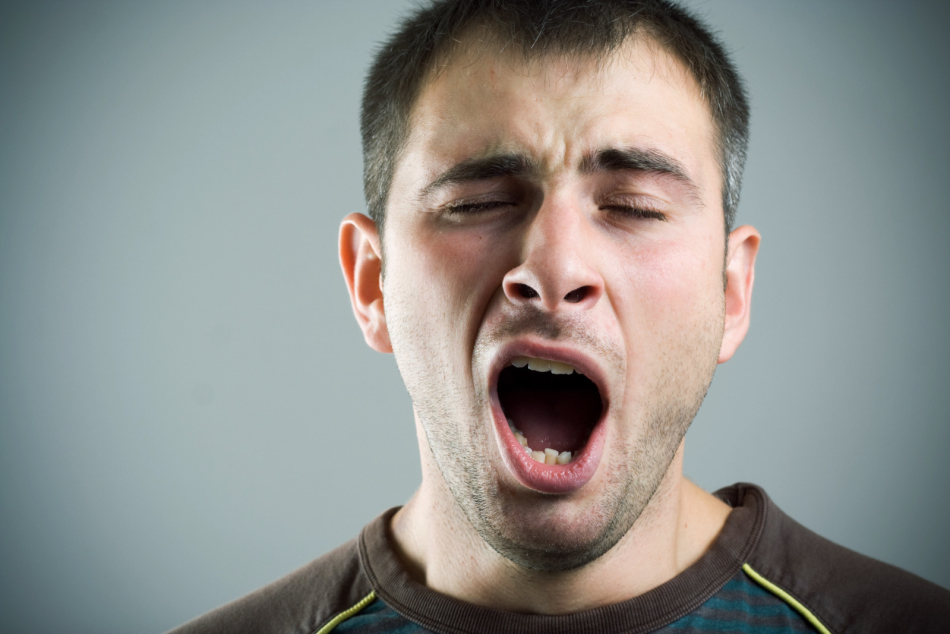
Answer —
(446, 59)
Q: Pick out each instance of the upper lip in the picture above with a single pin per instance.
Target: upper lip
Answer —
(582, 362)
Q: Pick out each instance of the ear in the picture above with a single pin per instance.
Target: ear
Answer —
(740, 275)
(361, 259)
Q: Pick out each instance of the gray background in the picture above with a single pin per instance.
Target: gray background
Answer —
(187, 409)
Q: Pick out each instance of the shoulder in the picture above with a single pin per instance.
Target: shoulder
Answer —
(846, 591)
(300, 602)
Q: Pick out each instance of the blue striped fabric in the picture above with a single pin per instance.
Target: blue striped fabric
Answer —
(741, 607)
(379, 618)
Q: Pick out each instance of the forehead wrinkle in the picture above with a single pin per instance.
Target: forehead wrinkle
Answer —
(551, 147)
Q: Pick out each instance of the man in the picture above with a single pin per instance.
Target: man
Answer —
(551, 258)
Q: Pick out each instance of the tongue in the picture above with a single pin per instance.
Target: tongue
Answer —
(555, 419)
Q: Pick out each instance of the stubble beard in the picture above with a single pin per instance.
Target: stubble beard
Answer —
(547, 541)
(542, 532)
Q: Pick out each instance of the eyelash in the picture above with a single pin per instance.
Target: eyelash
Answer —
(636, 212)
(464, 208)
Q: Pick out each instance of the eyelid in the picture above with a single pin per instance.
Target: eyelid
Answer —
(637, 212)
(493, 199)
(632, 200)
(635, 205)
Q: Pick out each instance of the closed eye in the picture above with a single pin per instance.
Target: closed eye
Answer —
(626, 211)
(475, 207)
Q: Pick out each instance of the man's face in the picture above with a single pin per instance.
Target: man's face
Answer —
(567, 211)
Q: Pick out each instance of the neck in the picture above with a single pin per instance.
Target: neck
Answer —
(442, 550)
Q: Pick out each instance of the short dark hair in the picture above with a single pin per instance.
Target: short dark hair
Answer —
(405, 62)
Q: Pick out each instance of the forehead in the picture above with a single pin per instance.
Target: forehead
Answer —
(557, 109)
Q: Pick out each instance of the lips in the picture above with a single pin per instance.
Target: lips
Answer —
(548, 405)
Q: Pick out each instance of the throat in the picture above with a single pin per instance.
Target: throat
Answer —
(552, 411)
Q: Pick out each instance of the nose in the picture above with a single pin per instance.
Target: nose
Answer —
(558, 271)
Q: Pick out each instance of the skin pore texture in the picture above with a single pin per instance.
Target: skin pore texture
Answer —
(545, 244)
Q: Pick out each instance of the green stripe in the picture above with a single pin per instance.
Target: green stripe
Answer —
(342, 616)
(787, 598)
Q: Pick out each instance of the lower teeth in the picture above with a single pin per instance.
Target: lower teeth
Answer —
(547, 456)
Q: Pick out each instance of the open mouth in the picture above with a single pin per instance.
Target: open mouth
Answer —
(552, 408)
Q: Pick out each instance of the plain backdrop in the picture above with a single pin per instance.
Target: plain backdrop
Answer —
(187, 408)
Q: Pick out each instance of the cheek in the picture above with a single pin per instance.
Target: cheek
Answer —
(674, 293)
(459, 264)
(446, 275)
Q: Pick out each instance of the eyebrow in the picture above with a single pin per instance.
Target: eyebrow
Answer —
(483, 168)
(605, 160)
(638, 160)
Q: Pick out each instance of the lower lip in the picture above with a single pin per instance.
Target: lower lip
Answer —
(546, 478)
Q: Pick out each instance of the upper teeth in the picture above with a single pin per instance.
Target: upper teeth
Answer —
(543, 365)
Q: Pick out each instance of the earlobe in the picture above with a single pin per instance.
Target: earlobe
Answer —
(740, 276)
(361, 260)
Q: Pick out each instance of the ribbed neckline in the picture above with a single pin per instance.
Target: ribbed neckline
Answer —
(647, 612)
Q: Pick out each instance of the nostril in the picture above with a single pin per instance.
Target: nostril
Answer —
(578, 295)
(525, 292)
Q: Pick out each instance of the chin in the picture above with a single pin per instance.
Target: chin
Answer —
(550, 536)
